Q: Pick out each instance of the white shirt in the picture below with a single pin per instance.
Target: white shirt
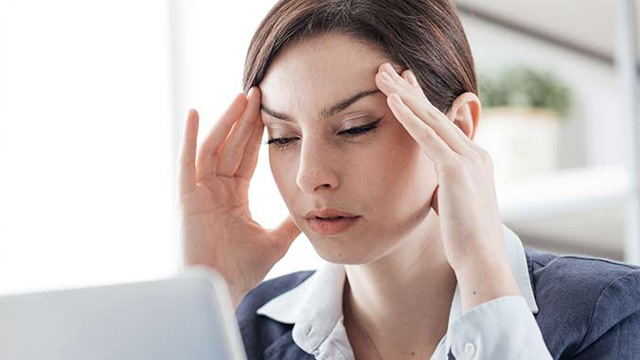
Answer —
(502, 328)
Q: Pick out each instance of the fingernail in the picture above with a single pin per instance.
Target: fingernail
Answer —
(412, 78)
(389, 67)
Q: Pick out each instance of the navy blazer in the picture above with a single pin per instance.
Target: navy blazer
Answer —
(589, 308)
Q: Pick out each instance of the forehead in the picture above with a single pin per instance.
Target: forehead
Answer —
(317, 72)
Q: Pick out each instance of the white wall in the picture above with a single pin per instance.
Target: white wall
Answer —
(592, 134)
(85, 165)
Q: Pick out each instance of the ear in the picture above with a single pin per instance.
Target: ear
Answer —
(465, 113)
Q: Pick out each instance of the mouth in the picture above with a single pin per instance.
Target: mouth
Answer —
(329, 214)
(334, 217)
(331, 225)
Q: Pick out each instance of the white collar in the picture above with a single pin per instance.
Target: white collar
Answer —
(315, 305)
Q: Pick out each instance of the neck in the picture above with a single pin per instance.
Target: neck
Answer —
(403, 299)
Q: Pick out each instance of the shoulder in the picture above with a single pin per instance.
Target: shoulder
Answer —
(577, 280)
(580, 298)
(259, 332)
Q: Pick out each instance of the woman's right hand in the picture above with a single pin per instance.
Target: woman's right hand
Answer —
(216, 227)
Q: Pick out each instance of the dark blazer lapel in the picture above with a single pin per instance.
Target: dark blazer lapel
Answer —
(285, 349)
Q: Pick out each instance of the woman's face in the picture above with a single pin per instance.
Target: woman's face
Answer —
(381, 175)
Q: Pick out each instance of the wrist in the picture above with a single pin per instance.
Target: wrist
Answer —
(236, 299)
(235, 294)
(484, 280)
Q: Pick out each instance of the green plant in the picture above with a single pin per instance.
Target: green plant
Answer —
(520, 86)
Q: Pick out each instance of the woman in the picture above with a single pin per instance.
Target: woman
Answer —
(371, 107)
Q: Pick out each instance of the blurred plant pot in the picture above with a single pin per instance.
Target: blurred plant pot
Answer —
(521, 141)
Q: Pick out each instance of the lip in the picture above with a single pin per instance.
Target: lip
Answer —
(331, 227)
(325, 213)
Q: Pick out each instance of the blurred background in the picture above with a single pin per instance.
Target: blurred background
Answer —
(94, 94)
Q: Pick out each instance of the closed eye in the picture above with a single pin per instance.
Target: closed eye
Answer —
(282, 143)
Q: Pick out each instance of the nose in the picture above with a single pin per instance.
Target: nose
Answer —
(317, 167)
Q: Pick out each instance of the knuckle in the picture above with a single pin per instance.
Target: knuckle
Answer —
(475, 158)
(453, 163)
(436, 114)
(428, 134)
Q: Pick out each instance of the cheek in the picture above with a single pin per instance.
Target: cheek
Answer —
(280, 167)
(398, 160)
(404, 176)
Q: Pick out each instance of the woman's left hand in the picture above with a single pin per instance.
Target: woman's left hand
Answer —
(465, 197)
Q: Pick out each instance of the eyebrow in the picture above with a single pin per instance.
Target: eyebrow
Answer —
(328, 111)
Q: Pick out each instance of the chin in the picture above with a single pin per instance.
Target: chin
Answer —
(334, 250)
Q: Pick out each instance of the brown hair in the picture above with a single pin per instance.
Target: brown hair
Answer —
(425, 36)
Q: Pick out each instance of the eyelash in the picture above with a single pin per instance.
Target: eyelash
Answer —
(280, 143)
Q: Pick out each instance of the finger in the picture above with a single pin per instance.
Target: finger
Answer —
(434, 200)
(410, 77)
(187, 157)
(431, 143)
(234, 148)
(209, 153)
(390, 82)
(250, 159)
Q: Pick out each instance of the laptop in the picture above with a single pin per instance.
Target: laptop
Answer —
(187, 316)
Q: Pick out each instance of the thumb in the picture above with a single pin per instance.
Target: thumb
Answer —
(285, 234)
(434, 200)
